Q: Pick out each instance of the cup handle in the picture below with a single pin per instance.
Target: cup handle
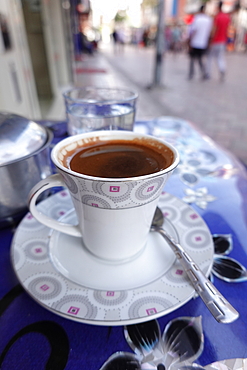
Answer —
(47, 183)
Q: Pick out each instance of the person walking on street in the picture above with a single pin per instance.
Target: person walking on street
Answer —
(199, 34)
(218, 42)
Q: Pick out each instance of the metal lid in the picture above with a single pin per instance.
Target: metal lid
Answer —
(19, 137)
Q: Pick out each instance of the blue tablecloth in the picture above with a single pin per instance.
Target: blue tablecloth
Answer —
(214, 183)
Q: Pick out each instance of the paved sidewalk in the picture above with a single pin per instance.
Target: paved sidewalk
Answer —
(219, 109)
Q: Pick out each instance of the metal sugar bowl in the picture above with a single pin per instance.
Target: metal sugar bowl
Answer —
(24, 161)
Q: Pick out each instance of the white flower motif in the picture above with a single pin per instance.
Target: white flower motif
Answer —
(181, 343)
(199, 196)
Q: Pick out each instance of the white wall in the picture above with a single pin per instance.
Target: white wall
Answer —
(55, 37)
(17, 84)
(17, 87)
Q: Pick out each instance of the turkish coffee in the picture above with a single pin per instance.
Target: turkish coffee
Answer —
(120, 159)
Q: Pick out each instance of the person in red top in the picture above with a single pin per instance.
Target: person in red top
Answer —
(218, 42)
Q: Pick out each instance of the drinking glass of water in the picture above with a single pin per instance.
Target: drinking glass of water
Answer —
(94, 108)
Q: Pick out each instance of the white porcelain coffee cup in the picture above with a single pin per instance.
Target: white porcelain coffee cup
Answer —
(114, 214)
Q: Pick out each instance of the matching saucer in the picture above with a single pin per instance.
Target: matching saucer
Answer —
(61, 275)
(71, 258)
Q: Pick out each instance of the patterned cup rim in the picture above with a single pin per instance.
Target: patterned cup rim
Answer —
(70, 143)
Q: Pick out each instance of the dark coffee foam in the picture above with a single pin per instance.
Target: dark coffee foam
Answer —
(120, 158)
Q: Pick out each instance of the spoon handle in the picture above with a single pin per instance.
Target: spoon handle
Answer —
(219, 307)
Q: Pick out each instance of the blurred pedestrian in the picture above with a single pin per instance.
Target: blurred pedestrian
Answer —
(218, 42)
(87, 47)
(145, 37)
(118, 40)
(245, 41)
(231, 38)
(168, 37)
(176, 37)
(115, 39)
(199, 34)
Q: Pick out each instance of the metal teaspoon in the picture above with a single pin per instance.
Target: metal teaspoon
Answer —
(219, 307)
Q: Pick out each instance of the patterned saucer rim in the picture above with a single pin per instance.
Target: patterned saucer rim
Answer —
(49, 288)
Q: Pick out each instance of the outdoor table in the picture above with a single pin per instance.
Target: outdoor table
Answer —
(214, 184)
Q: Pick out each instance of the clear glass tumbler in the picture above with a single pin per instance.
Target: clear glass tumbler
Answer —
(93, 108)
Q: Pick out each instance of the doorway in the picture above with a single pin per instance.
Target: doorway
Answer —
(36, 42)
